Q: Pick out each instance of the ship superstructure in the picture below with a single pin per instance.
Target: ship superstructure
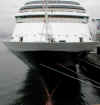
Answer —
(51, 26)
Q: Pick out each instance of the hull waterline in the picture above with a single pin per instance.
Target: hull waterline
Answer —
(49, 53)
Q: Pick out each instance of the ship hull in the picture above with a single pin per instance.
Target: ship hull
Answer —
(41, 46)
(46, 57)
(51, 72)
(49, 53)
(53, 67)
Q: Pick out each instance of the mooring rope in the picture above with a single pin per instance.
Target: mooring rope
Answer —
(67, 75)
(91, 80)
(91, 63)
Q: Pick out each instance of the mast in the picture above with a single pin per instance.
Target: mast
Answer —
(46, 16)
(45, 7)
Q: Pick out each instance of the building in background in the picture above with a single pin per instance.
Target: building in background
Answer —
(98, 29)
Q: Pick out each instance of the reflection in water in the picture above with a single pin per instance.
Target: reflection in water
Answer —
(65, 90)
(32, 93)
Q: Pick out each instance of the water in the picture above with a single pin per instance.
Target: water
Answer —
(12, 74)
(17, 83)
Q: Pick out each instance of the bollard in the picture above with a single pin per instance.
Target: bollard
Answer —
(81, 39)
(21, 39)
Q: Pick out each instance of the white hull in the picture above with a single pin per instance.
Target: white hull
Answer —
(63, 47)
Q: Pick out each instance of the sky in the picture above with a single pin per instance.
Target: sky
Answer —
(8, 9)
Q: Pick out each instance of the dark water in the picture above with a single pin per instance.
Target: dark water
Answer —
(17, 84)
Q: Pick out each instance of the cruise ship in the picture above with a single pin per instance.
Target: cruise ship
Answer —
(49, 36)
(51, 31)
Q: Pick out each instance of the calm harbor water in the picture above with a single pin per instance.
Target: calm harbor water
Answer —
(16, 81)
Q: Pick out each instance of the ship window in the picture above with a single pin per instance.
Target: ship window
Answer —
(53, 18)
(53, 2)
(61, 16)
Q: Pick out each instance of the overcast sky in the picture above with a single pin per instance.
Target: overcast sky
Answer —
(8, 9)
